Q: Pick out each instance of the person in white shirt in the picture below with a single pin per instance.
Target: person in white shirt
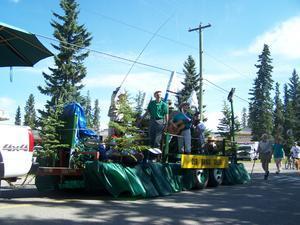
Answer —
(295, 152)
(265, 150)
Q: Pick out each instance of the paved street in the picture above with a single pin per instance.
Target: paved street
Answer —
(275, 201)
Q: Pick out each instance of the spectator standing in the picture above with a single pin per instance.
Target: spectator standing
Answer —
(278, 153)
(295, 152)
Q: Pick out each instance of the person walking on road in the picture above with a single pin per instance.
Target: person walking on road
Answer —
(295, 152)
(278, 153)
(265, 151)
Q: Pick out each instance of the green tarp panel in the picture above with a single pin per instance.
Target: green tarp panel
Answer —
(92, 176)
(116, 181)
(136, 185)
(245, 177)
(109, 175)
(172, 175)
(236, 174)
(155, 171)
(146, 181)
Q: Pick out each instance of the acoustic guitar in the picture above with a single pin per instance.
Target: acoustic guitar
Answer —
(176, 128)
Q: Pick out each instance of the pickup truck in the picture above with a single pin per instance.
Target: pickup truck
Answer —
(16, 151)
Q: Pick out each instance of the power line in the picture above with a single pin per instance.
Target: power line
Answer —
(107, 54)
(216, 88)
(143, 64)
(168, 39)
(147, 44)
(142, 29)
(130, 60)
(225, 64)
(226, 91)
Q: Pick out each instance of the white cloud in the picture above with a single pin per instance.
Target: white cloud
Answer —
(7, 106)
(149, 81)
(6, 102)
(213, 120)
(283, 39)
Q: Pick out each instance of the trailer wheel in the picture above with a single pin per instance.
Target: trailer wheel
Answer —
(215, 177)
(200, 178)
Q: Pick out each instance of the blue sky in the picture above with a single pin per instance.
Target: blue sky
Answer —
(122, 28)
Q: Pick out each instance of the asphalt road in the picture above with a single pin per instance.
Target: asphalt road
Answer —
(275, 201)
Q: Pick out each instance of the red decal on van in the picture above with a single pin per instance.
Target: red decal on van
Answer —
(31, 141)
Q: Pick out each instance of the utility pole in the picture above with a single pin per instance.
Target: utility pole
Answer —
(200, 95)
(230, 99)
(233, 144)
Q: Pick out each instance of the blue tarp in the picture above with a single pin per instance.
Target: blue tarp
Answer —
(74, 113)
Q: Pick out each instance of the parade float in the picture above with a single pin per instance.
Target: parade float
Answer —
(125, 165)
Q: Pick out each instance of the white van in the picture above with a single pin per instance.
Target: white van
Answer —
(247, 151)
(16, 150)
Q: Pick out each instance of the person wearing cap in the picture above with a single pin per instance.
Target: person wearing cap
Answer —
(159, 116)
(184, 141)
(265, 150)
(210, 147)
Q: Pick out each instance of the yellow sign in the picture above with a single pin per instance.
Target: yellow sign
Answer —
(203, 161)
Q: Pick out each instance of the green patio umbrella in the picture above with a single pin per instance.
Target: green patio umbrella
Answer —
(19, 47)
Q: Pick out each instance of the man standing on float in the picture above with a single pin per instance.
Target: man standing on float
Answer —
(159, 117)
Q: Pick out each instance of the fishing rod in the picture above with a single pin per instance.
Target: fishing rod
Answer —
(147, 44)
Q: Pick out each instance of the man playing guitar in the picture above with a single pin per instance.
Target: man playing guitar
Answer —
(181, 124)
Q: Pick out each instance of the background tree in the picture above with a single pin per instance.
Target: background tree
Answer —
(88, 110)
(65, 81)
(18, 116)
(289, 118)
(278, 114)
(96, 117)
(52, 127)
(297, 115)
(191, 80)
(244, 120)
(294, 100)
(139, 99)
(293, 87)
(225, 122)
(30, 113)
(126, 135)
(260, 107)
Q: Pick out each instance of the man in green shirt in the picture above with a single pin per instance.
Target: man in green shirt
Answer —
(159, 117)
